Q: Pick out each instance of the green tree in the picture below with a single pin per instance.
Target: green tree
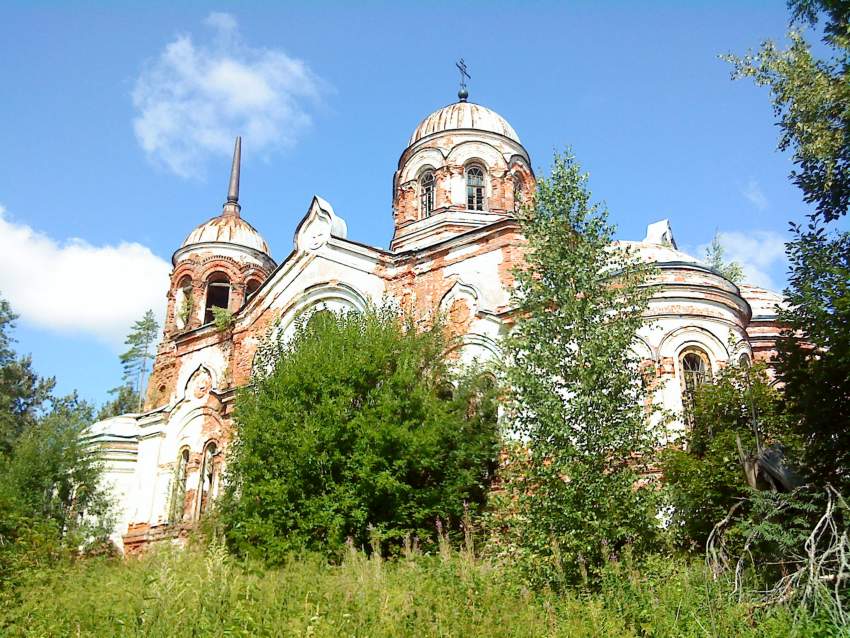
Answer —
(135, 360)
(22, 391)
(125, 399)
(715, 257)
(357, 426)
(578, 400)
(51, 500)
(814, 352)
(811, 100)
(705, 478)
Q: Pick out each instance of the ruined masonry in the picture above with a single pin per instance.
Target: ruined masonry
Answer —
(458, 182)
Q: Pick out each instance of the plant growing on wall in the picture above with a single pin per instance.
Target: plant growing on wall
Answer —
(223, 319)
(185, 310)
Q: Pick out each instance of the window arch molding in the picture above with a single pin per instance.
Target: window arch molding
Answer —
(475, 177)
(334, 297)
(683, 336)
(252, 285)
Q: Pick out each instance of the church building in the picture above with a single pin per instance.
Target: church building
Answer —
(460, 178)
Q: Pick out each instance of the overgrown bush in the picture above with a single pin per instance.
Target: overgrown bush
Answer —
(357, 427)
(705, 477)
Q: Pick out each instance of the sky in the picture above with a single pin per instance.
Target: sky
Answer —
(118, 123)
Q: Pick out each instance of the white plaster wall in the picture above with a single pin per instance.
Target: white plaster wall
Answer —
(482, 272)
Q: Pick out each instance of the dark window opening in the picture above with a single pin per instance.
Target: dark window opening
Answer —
(184, 301)
(178, 494)
(218, 295)
(251, 287)
(517, 193)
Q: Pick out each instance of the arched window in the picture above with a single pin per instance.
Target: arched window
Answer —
(517, 193)
(208, 477)
(475, 188)
(176, 510)
(744, 361)
(696, 371)
(426, 193)
(251, 287)
(218, 295)
(184, 301)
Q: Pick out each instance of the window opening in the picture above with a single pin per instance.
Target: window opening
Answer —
(208, 477)
(218, 295)
(695, 373)
(178, 493)
(426, 194)
(475, 188)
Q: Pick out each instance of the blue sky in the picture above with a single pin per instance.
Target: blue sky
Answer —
(118, 123)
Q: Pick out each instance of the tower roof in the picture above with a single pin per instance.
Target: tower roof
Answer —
(229, 227)
(463, 115)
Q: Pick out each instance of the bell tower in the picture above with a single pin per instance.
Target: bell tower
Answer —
(220, 264)
(464, 167)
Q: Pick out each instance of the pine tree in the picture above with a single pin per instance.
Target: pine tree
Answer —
(715, 257)
(135, 360)
(22, 392)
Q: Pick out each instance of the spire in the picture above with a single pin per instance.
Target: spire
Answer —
(232, 207)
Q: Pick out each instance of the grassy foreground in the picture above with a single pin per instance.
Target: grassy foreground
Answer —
(205, 592)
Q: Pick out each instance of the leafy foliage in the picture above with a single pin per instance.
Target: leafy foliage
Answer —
(50, 496)
(815, 371)
(223, 319)
(22, 391)
(577, 395)
(811, 99)
(705, 478)
(358, 427)
(125, 400)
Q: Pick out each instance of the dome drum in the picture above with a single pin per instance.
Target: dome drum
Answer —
(463, 161)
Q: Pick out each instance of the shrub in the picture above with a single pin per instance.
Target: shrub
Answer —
(706, 478)
(356, 427)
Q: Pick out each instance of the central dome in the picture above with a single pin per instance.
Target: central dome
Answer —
(463, 115)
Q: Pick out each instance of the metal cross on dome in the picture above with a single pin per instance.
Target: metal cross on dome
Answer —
(464, 75)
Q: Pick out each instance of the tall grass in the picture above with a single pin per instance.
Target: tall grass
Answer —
(206, 592)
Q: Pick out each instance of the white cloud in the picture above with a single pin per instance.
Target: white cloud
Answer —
(753, 193)
(761, 254)
(193, 99)
(74, 287)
